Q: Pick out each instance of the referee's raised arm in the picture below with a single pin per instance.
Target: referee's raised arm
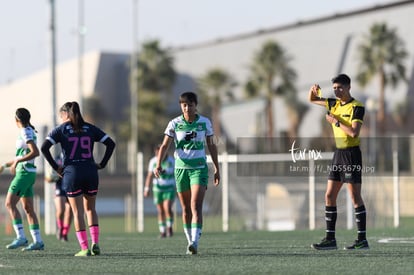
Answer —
(314, 96)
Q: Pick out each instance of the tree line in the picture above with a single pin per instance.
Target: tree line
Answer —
(381, 57)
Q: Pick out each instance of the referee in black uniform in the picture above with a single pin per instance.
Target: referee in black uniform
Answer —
(345, 114)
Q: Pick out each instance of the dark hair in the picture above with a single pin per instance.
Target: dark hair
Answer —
(188, 97)
(342, 79)
(23, 115)
(74, 114)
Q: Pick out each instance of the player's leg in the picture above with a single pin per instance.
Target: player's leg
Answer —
(76, 203)
(89, 203)
(182, 180)
(11, 206)
(360, 216)
(59, 207)
(25, 187)
(169, 216)
(74, 189)
(161, 217)
(158, 202)
(60, 200)
(33, 221)
(199, 181)
(67, 219)
(90, 189)
(329, 242)
(185, 202)
(197, 197)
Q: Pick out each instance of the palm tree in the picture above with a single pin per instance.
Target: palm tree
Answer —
(272, 74)
(155, 77)
(296, 110)
(155, 68)
(93, 110)
(217, 84)
(382, 53)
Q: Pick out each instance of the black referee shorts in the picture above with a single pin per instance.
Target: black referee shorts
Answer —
(346, 165)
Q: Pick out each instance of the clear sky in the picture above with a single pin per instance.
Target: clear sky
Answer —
(24, 28)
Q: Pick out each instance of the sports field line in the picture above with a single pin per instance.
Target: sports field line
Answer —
(396, 240)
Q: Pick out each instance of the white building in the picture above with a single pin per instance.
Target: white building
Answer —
(320, 49)
(105, 77)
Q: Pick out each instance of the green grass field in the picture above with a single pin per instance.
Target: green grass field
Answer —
(253, 252)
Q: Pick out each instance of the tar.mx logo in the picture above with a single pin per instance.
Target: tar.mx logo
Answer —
(303, 154)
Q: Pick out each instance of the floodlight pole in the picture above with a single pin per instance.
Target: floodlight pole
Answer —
(134, 109)
(81, 42)
(53, 59)
(50, 218)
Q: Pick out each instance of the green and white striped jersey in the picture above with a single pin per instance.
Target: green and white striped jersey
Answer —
(22, 149)
(166, 181)
(189, 141)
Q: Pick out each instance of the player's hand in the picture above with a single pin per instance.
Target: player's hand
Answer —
(314, 90)
(60, 171)
(13, 167)
(158, 171)
(216, 178)
(331, 118)
(146, 192)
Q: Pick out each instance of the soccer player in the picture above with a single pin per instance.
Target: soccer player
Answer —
(62, 206)
(21, 187)
(190, 132)
(345, 114)
(79, 171)
(163, 189)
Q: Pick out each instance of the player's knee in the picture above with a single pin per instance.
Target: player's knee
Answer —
(330, 199)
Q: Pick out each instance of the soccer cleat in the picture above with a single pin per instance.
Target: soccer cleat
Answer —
(362, 244)
(95, 250)
(162, 236)
(83, 253)
(18, 242)
(64, 238)
(169, 232)
(34, 246)
(325, 244)
(191, 249)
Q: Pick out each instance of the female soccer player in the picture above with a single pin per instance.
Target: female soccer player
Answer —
(163, 189)
(21, 187)
(189, 132)
(79, 171)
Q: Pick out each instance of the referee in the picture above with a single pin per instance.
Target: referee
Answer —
(345, 114)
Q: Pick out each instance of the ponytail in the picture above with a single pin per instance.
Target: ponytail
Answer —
(74, 114)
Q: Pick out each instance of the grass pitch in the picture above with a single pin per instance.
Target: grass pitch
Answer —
(255, 252)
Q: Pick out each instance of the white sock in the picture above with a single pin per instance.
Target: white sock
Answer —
(169, 223)
(187, 232)
(18, 228)
(36, 235)
(161, 227)
(195, 234)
